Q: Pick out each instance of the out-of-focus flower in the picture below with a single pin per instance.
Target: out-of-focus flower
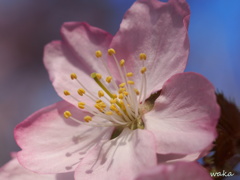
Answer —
(136, 102)
(14, 171)
(178, 170)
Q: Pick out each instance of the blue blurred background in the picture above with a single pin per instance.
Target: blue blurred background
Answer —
(27, 25)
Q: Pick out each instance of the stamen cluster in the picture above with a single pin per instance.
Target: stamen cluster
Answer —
(118, 106)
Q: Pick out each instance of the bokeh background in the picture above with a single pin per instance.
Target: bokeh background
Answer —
(27, 25)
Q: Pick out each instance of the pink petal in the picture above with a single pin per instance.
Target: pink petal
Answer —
(14, 171)
(76, 54)
(176, 171)
(163, 158)
(52, 144)
(159, 30)
(185, 115)
(166, 158)
(119, 159)
(83, 41)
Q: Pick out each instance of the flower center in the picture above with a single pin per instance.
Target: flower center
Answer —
(115, 104)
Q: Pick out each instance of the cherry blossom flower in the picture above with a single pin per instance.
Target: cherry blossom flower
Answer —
(14, 171)
(126, 98)
(178, 170)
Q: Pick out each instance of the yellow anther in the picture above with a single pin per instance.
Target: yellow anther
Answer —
(82, 103)
(122, 62)
(129, 74)
(122, 105)
(125, 93)
(109, 79)
(142, 56)
(122, 85)
(113, 101)
(98, 54)
(118, 113)
(114, 96)
(73, 76)
(111, 51)
(66, 93)
(98, 75)
(121, 96)
(113, 108)
(108, 112)
(121, 90)
(121, 102)
(130, 82)
(100, 93)
(137, 91)
(98, 107)
(67, 114)
(81, 91)
(87, 118)
(102, 105)
(143, 70)
(81, 106)
(98, 101)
